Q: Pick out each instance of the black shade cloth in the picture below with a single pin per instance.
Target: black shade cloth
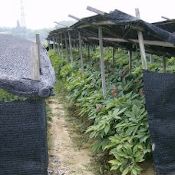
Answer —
(168, 25)
(126, 26)
(23, 141)
(17, 68)
(159, 89)
(119, 25)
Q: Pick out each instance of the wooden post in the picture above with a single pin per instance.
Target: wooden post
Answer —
(150, 58)
(48, 41)
(54, 43)
(113, 55)
(80, 49)
(36, 59)
(89, 54)
(59, 45)
(66, 45)
(141, 44)
(102, 66)
(70, 46)
(130, 60)
(164, 64)
(61, 39)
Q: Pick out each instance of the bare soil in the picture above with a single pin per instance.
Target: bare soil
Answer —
(148, 168)
(65, 158)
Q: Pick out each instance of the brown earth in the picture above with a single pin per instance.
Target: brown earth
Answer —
(65, 158)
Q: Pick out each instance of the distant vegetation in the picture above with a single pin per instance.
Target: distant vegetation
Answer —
(30, 34)
(25, 33)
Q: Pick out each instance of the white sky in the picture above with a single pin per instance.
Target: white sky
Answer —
(42, 13)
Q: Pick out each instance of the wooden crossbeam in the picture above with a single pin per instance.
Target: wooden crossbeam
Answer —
(92, 9)
(74, 17)
(146, 42)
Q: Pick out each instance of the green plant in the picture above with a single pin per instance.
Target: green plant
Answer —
(118, 125)
(131, 143)
(57, 61)
(8, 97)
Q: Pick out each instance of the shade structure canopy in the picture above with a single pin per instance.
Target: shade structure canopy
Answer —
(120, 30)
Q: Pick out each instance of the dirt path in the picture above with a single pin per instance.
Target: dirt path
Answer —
(65, 158)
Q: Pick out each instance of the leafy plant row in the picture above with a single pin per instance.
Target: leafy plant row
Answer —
(9, 97)
(118, 123)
